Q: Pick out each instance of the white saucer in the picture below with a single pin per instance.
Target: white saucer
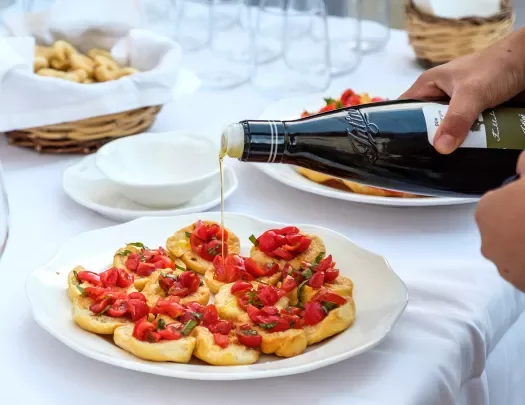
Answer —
(84, 184)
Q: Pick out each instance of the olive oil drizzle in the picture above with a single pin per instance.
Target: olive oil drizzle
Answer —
(221, 157)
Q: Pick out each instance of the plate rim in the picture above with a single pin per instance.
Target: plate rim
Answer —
(150, 367)
(310, 102)
(127, 213)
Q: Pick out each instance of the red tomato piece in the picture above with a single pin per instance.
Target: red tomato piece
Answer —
(162, 251)
(313, 313)
(196, 243)
(124, 279)
(210, 315)
(317, 280)
(89, 277)
(324, 264)
(304, 244)
(248, 337)
(253, 268)
(377, 99)
(109, 277)
(326, 295)
(268, 241)
(145, 269)
(268, 295)
(283, 254)
(170, 333)
(347, 94)
(143, 328)
(281, 325)
(189, 280)
(164, 262)
(132, 262)
(178, 291)
(137, 309)
(289, 284)
(119, 308)
(294, 238)
(331, 275)
(253, 313)
(137, 296)
(220, 340)
(94, 292)
(222, 327)
(201, 230)
(230, 269)
(168, 307)
(287, 230)
(240, 287)
(165, 283)
(328, 107)
(99, 306)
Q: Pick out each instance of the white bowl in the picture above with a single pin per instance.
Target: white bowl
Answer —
(160, 170)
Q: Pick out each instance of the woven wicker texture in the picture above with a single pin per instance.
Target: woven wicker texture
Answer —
(84, 136)
(438, 40)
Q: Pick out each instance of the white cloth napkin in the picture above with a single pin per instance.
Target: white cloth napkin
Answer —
(29, 100)
(459, 8)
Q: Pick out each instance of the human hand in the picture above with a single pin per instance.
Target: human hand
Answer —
(473, 83)
(501, 220)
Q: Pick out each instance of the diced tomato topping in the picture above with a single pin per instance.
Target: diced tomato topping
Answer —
(317, 280)
(253, 313)
(145, 269)
(347, 94)
(124, 279)
(89, 277)
(268, 295)
(324, 264)
(99, 306)
(221, 340)
(241, 287)
(248, 337)
(118, 309)
(132, 262)
(109, 277)
(285, 243)
(137, 296)
(143, 328)
(313, 313)
(377, 99)
(210, 315)
(206, 241)
(281, 325)
(326, 295)
(331, 275)
(168, 306)
(137, 309)
(223, 327)
(289, 284)
(163, 262)
(170, 332)
(190, 280)
(94, 292)
(257, 271)
(230, 269)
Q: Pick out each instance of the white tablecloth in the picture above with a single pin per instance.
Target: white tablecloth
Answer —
(460, 341)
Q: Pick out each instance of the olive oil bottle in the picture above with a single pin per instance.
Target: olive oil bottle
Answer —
(388, 145)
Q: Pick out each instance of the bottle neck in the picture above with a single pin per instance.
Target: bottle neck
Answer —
(264, 141)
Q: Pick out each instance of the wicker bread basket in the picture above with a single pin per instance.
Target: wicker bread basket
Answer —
(84, 136)
(437, 40)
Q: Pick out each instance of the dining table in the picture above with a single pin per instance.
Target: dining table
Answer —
(461, 339)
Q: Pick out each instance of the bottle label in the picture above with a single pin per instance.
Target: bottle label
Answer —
(500, 128)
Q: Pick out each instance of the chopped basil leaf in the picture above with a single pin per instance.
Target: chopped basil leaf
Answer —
(307, 274)
(268, 325)
(188, 234)
(161, 324)
(82, 290)
(150, 338)
(104, 310)
(201, 283)
(76, 275)
(328, 306)
(213, 251)
(269, 265)
(318, 258)
(136, 244)
(254, 240)
(329, 100)
(249, 332)
(189, 326)
(300, 290)
(253, 299)
(124, 253)
(179, 267)
(292, 324)
(213, 237)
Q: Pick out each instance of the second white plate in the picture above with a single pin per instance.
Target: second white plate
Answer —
(84, 184)
(291, 109)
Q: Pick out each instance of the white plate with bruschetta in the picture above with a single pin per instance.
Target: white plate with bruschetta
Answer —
(181, 296)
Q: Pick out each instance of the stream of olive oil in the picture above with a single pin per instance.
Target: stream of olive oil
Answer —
(221, 157)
